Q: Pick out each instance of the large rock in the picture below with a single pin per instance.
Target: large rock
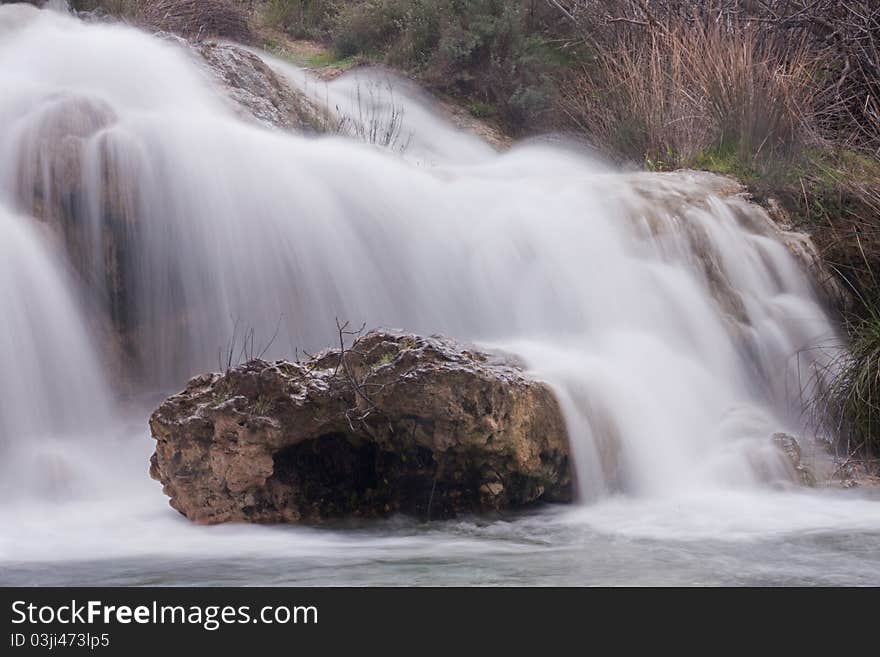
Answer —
(398, 423)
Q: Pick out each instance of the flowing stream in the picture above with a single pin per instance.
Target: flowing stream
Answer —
(143, 224)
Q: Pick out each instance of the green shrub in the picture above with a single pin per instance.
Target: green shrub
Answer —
(481, 110)
(365, 27)
(849, 403)
(301, 18)
(492, 53)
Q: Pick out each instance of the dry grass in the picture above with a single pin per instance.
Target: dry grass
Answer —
(374, 117)
(196, 19)
(191, 19)
(671, 92)
(845, 36)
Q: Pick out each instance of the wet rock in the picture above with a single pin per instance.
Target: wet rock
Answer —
(79, 173)
(789, 447)
(66, 176)
(773, 221)
(257, 91)
(831, 288)
(400, 423)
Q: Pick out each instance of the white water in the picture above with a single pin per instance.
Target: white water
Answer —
(675, 327)
(52, 383)
(368, 95)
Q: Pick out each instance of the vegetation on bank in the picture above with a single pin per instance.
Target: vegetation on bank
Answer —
(497, 57)
(782, 94)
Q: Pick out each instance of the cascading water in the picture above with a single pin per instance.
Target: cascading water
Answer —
(674, 325)
(51, 383)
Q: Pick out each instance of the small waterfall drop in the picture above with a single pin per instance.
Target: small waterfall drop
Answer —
(51, 386)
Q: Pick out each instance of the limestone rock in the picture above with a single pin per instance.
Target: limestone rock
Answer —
(400, 423)
(829, 285)
(257, 91)
(789, 447)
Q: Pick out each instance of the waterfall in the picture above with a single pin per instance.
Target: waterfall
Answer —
(51, 383)
(674, 325)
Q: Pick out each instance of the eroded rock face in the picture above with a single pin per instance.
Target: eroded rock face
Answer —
(400, 423)
(791, 449)
(257, 91)
(831, 287)
(774, 222)
(66, 176)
